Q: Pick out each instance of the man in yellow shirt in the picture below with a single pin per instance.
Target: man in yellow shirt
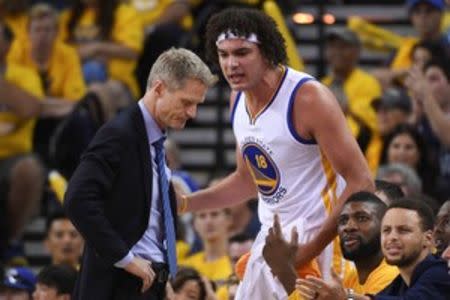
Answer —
(213, 262)
(59, 68)
(426, 17)
(21, 177)
(359, 232)
(354, 88)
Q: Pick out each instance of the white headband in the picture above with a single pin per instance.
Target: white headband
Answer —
(228, 35)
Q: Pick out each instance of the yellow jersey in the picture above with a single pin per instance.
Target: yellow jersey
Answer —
(377, 280)
(361, 89)
(18, 139)
(18, 25)
(218, 270)
(64, 75)
(127, 31)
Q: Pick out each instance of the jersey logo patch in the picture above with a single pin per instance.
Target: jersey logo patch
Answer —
(262, 168)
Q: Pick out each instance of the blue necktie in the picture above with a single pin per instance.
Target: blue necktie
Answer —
(167, 212)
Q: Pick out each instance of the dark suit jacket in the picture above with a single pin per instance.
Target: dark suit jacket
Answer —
(108, 200)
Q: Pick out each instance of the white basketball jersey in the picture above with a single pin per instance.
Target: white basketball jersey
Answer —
(293, 177)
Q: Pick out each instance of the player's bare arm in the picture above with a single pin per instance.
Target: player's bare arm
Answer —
(318, 116)
(233, 189)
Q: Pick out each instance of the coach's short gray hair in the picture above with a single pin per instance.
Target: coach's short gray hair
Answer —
(177, 65)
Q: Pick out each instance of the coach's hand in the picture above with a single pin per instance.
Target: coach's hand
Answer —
(143, 269)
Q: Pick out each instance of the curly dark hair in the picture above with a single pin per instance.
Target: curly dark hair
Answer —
(243, 22)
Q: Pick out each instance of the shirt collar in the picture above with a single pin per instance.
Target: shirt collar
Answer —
(154, 133)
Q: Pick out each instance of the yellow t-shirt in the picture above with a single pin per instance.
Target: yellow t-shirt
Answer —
(182, 251)
(295, 296)
(341, 266)
(18, 25)
(377, 280)
(402, 58)
(18, 140)
(373, 153)
(127, 31)
(361, 89)
(64, 70)
(218, 270)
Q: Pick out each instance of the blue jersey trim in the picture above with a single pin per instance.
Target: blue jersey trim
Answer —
(289, 114)
(233, 109)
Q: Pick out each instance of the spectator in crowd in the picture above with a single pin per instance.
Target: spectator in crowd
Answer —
(441, 234)
(426, 17)
(165, 22)
(63, 241)
(18, 284)
(213, 228)
(359, 228)
(108, 36)
(15, 15)
(406, 146)
(406, 239)
(359, 232)
(245, 219)
(189, 284)
(405, 177)
(55, 282)
(59, 68)
(392, 109)
(354, 88)
(425, 51)
(21, 175)
(239, 245)
(431, 90)
(388, 191)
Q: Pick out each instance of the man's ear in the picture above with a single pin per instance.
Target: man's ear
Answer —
(428, 235)
(159, 87)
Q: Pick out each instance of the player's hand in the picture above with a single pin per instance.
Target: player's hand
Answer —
(143, 269)
(317, 289)
(279, 253)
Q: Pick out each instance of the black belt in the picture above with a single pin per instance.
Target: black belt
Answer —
(161, 272)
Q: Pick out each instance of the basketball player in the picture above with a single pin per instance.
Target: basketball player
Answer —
(293, 148)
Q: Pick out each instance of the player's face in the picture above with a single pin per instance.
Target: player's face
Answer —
(403, 241)
(242, 63)
(175, 107)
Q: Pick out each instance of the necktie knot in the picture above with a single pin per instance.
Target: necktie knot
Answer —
(159, 144)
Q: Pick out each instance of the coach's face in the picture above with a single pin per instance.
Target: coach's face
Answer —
(173, 107)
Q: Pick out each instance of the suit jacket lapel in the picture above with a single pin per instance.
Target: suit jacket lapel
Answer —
(144, 157)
